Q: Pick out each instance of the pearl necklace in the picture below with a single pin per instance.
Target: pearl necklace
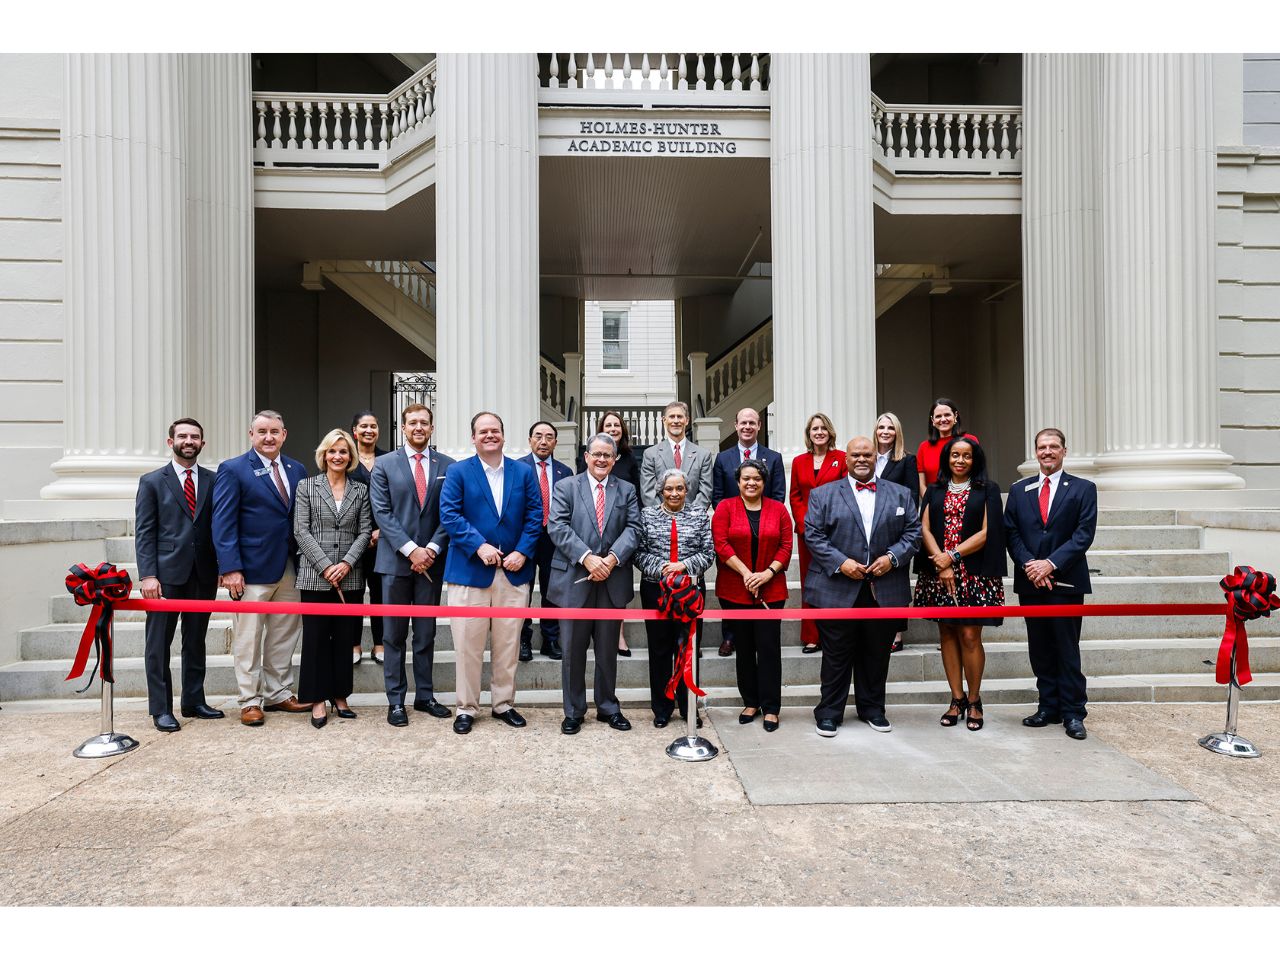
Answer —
(954, 487)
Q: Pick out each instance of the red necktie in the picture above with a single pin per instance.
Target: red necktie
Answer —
(275, 472)
(746, 454)
(420, 479)
(189, 488)
(865, 486)
(1044, 501)
(675, 536)
(600, 507)
(544, 484)
(678, 456)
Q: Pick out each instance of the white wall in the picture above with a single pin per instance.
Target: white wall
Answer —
(1262, 99)
(650, 379)
(31, 276)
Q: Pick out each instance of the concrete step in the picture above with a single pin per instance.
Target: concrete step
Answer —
(119, 550)
(1149, 537)
(1160, 563)
(1136, 516)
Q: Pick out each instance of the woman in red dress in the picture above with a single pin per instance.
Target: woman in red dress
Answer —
(944, 423)
(823, 463)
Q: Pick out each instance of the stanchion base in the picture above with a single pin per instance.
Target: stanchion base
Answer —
(1229, 745)
(105, 745)
(692, 748)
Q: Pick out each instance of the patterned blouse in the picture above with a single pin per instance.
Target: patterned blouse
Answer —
(693, 540)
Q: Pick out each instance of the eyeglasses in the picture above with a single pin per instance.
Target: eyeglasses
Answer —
(597, 455)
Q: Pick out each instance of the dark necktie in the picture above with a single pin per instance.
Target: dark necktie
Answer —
(189, 488)
(280, 487)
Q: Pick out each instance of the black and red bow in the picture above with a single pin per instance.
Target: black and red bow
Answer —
(102, 586)
(1251, 594)
(680, 599)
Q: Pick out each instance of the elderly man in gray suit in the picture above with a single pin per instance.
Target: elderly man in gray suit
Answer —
(676, 450)
(595, 526)
(861, 532)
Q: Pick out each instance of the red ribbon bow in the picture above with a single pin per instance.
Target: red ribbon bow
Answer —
(102, 586)
(680, 599)
(1251, 594)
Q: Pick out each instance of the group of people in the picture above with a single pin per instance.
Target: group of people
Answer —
(406, 522)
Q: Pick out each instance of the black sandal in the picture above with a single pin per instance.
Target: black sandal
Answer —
(961, 705)
(975, 723)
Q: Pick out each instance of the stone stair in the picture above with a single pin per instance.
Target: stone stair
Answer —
(1142, 556)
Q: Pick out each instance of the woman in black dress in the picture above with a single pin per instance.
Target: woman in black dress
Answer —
(893, 463)
(364, 427)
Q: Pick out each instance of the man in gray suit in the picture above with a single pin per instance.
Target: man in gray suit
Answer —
(404, 490)
(678, 451)
(861, 533)
(595, 525)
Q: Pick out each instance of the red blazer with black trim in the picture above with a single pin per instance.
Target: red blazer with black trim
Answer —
(731, 533)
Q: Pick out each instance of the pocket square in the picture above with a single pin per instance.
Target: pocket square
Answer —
(900, 512)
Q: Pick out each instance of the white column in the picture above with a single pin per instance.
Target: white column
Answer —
(1159, 346)
(125, 285)
(219, 231)
(1062, 252)
(823, 253)
(487, 243)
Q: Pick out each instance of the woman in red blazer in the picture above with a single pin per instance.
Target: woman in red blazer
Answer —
(752, 536)
(822, 464)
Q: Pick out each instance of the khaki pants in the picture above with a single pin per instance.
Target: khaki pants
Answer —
(262, 645)
(469, 637)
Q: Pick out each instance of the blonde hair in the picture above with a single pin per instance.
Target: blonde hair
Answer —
(826, 422)
(899, 447)
(332, 437)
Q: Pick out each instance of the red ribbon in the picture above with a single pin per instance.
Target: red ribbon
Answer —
(680, 599)
(102, 586)
(1250, 594)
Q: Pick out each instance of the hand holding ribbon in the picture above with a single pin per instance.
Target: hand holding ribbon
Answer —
(102, 586)
(1251, 594)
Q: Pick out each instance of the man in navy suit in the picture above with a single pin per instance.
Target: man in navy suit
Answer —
(491, 507)
(1049, 523)
(173, 542)
(548, 472)
(723, 486)
(404, 490)
(253, 536)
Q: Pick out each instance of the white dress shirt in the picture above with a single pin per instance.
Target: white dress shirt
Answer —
(866, 500)
(882, 461)
(284, 474)
(409, 545)
(181, 471)
(674, 447)
(596, 485)
(746, 453)
(1055, 479)
(495, 477)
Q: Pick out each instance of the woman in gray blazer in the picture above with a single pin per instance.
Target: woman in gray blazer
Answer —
(332, 524)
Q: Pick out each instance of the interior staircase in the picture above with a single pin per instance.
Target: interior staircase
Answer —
(1144, 556)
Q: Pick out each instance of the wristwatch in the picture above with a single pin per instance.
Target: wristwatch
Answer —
(893, 561)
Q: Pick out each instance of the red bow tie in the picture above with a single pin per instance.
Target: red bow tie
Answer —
(865, 486)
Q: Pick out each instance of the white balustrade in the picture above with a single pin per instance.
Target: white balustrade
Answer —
(553, 386)
(739, 364)
(411, 278)
(644, 424)
(938, 138)
(654, 78)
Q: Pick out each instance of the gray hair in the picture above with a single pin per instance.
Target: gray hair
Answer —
(604, 438)
(267, 415)
(673, 472)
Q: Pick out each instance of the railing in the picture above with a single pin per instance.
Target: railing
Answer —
(644, 424)
(344, 129)
(553, 387)
(936, 138)
(739, 364)
(411, 278)
(654, 79)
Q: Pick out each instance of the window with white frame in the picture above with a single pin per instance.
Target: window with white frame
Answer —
(614, 340)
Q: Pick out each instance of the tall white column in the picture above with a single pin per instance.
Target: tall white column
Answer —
(1062, 252)
(823, 252)
(124, 256)
(487, 245)
(1159, 346)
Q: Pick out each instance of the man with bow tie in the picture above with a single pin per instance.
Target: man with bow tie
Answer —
(861, 533)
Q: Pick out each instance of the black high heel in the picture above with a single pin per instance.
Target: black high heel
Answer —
(345, 713)
(950, 719)
(320, 721)
(975, 723)
(770, 725)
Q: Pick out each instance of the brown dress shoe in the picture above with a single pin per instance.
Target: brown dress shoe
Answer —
(252, 717)
(289, 706)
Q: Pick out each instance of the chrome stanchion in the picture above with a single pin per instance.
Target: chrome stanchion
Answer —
(691, 746)
(108, 743)
(1228, 743)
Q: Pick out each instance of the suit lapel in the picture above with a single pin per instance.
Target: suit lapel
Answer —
(203, 490)
(171, 481)
(879, 513)
(326, 494)
(855, 513)
(1064, 488)
(266, 477)
(508, 475)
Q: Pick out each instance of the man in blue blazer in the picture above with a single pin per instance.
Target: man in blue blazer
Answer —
(253, 536)
(1049, 523)
(173, 542)
(491, 507)
(404, 491)
(548, 471)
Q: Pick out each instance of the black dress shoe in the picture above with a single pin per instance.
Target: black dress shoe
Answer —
(432, 706)
(511, 718)
(1075, 728)
(526, 651)
(462, 723)
(396, 716)
(745, 717)
(202, 711)
(770, 726)
(624, 651)
(1040, 719)
(570, 725)
(320, 721)
(346, 713)
(726, 648)
(827, 727)
(661, 722)
(551, 650)
(615, 720)
(166, 723)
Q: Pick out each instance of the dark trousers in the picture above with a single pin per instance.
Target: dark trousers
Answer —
(325, 670)
(758, 647)
(158, 640)
(578, 636)
(1053, 645)
(415, 588)
(665, 637)
(550, 629)
(857, 651)
(373, 580)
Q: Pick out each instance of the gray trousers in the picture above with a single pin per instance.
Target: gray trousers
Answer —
(575, 637)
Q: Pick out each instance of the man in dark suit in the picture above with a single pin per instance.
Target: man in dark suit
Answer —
(595, 523)
(861, 533)
(1049, 523)
(491, 508)
(404, 491)
(173, 542)
(548, 472)
(253, 535)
